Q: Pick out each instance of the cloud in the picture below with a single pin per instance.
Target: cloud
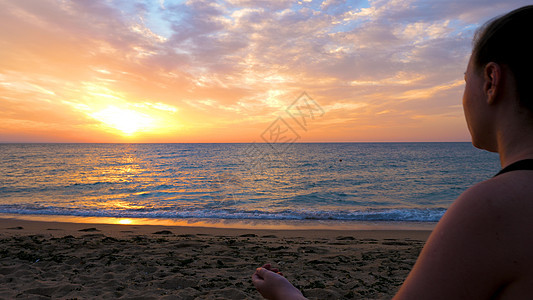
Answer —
(236, 61)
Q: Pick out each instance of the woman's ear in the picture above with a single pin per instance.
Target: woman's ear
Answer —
(492, 75)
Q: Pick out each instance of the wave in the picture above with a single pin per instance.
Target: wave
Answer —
(375, 215)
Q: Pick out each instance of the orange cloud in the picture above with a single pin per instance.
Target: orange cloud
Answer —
(203, 71)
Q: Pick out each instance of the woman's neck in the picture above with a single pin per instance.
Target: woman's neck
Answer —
(515, 145)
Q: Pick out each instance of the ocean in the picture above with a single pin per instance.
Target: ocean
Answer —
(313, 182)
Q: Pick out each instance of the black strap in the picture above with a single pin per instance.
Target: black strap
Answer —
(526, 164)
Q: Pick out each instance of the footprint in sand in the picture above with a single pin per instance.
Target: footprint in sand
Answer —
(163, 232)
(92, 229)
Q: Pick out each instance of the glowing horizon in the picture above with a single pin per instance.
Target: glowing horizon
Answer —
(225, 71)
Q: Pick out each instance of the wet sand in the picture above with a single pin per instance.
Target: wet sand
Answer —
(43, 260)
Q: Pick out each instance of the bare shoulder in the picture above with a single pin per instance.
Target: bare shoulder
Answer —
(481, 244)
(498, 209)
(504, 202)
(497, 212)
(507, 202)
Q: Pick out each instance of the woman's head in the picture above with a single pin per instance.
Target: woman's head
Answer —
(507, 40)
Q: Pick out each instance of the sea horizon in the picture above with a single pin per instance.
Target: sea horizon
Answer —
(300, 185)
(322, 142)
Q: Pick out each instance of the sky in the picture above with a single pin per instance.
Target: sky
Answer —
(237, 70)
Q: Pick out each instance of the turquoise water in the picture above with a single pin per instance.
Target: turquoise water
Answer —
(397, 182)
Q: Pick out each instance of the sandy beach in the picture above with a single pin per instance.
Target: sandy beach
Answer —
(43, 260)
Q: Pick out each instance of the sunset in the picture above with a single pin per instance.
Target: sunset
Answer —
(223, 71)
(276, 149)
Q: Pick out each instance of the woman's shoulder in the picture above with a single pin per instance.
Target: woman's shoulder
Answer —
(504, 195)
(498, 213)
(471, 252)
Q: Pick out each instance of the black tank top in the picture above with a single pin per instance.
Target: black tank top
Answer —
(526, 164)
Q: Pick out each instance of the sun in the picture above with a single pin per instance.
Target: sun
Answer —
(125, 221)
(125, 120)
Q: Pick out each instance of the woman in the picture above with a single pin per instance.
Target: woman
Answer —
(482, 248)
